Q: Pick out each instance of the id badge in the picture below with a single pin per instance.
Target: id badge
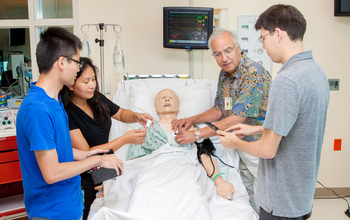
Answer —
(228, 103)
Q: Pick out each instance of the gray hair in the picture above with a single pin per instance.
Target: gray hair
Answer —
(219, 33)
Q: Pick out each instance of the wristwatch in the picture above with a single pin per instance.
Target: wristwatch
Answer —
(196, 134)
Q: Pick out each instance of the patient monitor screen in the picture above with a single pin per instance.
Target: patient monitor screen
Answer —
(187, 29)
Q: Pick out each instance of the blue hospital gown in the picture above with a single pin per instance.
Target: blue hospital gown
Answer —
(156, 137)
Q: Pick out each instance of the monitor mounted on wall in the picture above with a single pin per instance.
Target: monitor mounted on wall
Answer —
(187, 27)
(341, 7)
(17, 36)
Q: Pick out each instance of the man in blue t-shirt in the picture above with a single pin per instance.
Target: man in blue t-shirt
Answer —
(50, 166)
(293, 131)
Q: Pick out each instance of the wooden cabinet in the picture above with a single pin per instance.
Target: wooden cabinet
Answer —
(11, 189)
(10, 170)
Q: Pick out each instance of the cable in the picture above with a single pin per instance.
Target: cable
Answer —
(226, 166)
(333, 197)
(333, 192)
(223, 162)
(211, 159)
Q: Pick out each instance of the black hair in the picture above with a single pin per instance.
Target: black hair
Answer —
(100, 109)
(286, 17)
(54, 43)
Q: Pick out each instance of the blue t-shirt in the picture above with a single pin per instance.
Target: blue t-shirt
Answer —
(42, 124)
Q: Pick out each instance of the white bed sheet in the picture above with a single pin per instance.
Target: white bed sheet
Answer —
(169, 183)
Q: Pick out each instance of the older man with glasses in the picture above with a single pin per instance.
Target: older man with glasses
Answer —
(242, 97)
(292, 134)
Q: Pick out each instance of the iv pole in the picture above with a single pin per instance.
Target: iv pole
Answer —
(100, 27)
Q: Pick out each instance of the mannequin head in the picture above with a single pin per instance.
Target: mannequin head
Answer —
(166, 103)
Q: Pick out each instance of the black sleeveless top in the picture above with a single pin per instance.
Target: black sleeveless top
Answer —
(93, 132)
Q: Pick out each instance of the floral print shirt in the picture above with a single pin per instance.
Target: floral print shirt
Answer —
(249, 89)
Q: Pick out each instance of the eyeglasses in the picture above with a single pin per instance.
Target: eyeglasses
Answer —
(217, 55)
(80, 64)
(262, 38)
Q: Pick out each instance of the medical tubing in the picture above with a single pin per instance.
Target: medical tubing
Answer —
(226, 166)
(211, 159)
(224, 162)
(217, 176)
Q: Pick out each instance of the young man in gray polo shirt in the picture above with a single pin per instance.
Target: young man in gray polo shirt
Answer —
(293, 131)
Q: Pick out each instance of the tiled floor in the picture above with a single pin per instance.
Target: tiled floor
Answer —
(324, 209)
(332, 209)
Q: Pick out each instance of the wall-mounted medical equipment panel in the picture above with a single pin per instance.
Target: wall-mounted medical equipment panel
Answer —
(249, 41)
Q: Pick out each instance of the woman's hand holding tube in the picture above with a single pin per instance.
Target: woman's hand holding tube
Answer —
(142, 118)
(136, 136)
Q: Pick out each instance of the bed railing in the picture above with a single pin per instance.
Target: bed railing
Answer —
(154, 76)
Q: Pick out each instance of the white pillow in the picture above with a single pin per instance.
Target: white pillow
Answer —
(193, 99)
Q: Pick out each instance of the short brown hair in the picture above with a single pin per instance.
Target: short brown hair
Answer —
(286, 17)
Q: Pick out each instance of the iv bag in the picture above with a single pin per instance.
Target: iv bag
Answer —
(118, 56)
(86, 51)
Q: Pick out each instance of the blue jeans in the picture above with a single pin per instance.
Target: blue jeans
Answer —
(41, 218)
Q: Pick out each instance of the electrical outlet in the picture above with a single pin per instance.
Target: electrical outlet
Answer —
(333, 84)
(337, 145)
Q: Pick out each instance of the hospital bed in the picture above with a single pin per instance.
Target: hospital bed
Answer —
(169, 183)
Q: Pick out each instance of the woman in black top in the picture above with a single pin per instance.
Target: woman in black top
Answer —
(89, 113)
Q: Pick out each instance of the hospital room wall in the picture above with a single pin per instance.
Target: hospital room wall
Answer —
(142, 41)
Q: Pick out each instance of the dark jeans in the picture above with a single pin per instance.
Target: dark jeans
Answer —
(263, 215)
(89, 193)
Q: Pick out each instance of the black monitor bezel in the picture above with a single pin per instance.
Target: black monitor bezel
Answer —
(337, 11)
(17, 37)
(188, 46)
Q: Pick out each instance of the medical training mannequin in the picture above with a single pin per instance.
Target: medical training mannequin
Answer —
(167, 107)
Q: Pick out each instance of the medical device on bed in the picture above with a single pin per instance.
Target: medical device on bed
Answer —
(210, 125)
(206, 147)
(100, 174)
(149, 122)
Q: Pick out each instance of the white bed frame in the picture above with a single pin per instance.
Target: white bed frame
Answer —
(121, 98)
(240, 200)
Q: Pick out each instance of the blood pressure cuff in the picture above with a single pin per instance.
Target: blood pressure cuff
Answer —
(205, 147)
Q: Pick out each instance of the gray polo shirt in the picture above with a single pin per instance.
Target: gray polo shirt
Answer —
(296, 110)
